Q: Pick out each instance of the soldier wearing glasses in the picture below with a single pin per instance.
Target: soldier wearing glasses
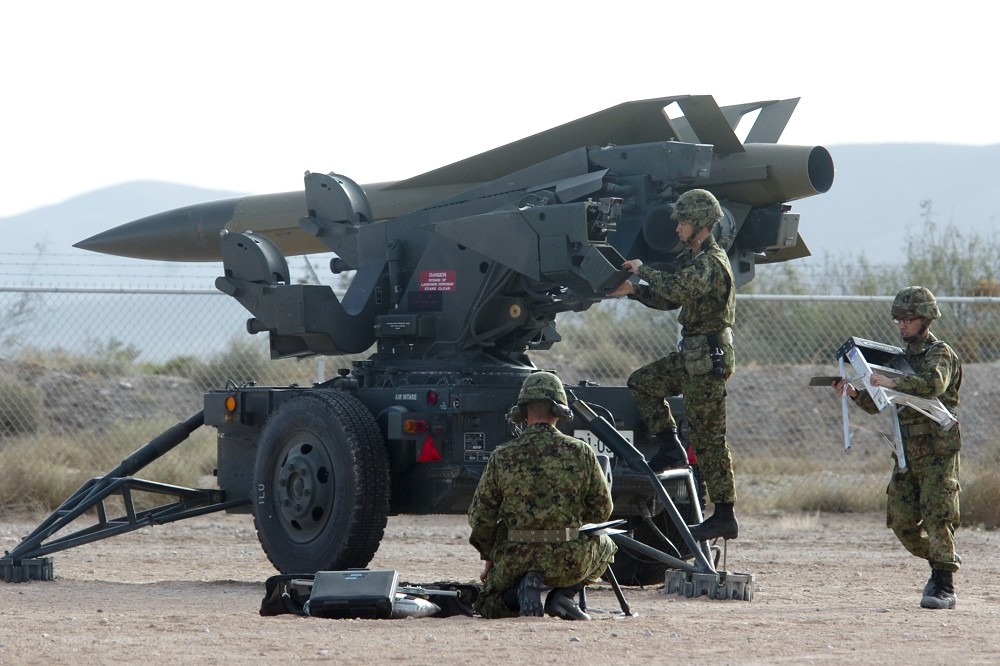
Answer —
(922, 507)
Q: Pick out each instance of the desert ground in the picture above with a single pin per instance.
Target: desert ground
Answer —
(828, 589)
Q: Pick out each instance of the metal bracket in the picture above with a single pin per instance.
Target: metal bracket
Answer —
(22, 571)
(721, 585)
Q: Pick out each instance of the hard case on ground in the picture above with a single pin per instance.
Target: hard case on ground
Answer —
(355, 593)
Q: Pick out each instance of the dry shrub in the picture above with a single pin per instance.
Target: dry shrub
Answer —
(833, 499)
(32, 482)
(981, 501)
(807, 484)
(20, 406)
(41, 472)
(764, 465)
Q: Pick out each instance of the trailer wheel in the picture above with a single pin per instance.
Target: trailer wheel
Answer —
(322, 480)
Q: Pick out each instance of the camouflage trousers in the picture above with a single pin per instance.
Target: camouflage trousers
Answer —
(704, 399)
(922, 508)
(561, 565)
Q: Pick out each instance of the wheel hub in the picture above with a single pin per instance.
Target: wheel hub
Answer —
(296, 486)
(304, 491)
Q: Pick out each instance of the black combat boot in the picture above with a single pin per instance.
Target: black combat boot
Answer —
(929, 586)
(560, 602)
(529, 595)
(722, 524)
(941, 594)
(670, 454)
(509, 598)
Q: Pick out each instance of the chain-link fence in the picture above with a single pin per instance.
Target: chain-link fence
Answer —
(86, 376)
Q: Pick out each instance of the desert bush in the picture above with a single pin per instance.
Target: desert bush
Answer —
(108, 358)
(20, 406)
(808, 484)
(193, 458)
(980, 501)
(24, 484)
(243, 361)
(180, 366)
(40, 472)
(828, 498)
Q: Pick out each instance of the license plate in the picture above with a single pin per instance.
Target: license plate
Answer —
(600, 448)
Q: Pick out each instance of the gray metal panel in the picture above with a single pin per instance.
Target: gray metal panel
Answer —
(505, 237)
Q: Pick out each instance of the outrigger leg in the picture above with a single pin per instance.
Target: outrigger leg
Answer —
(28, 562)
(689, 580)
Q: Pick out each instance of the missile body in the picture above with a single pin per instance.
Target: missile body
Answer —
(191, 233)
(758, 173)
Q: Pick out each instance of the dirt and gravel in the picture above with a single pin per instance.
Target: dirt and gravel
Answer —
(828, 589)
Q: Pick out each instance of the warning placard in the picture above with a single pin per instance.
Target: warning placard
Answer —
(437, 280)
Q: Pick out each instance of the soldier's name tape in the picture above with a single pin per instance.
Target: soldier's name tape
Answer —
(544, 536)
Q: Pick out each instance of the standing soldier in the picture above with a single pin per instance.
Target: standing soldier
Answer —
(922, 505)
(704, 291)
(535, 493)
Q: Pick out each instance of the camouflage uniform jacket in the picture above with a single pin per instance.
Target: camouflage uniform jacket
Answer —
(937, 374)
(542, 480)
(702, 288)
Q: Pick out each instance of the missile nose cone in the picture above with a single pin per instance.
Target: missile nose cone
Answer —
(190, 233)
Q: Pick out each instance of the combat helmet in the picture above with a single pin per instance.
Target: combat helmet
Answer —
(698, 207)
(545, 386)
(915, 302)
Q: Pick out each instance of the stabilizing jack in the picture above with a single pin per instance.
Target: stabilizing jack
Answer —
(696, 579)
(27, 561)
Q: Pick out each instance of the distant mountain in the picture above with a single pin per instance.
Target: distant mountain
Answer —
(39, 248)
(60, 225)
(874, 201)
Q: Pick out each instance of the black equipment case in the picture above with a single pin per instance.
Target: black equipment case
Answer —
(357, 593)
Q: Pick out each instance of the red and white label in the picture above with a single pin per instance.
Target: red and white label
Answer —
(437, 280)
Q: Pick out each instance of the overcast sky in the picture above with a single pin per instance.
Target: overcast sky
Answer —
(248, 95)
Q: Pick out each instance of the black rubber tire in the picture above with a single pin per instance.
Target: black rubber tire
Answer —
(322, 480)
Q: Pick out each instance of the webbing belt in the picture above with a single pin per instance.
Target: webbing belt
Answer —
(544, 536)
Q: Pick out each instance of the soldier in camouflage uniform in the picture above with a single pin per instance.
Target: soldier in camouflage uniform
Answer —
(922, 505)
(704, 291)
(535, 493)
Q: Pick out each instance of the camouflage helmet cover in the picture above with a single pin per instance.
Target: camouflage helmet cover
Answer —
(700, 208)
(542, 386)
(915, 302)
